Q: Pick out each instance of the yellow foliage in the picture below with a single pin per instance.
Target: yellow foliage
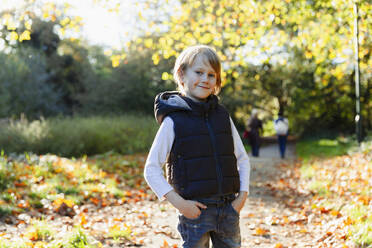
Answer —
(58, 12)
(114, 228)
(165, 76)
(115, 60)
(197, 4)
(108, 52)
(308, 54)
(13, 36)
(46, 14)
(148, 43)
(78, 19)
(65, 21)
(155, 59)
(167, 54)
(217, 42)
(206, 38)
(220, 11)
(62, 31)
(141, 16)
(25, 36)
(59, 201)
(28, 25)
(22, 17)
(235, 74)
(223, 75)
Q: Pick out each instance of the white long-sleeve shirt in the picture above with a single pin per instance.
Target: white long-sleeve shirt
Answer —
(161, 147)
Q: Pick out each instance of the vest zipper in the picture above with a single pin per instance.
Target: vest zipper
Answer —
(218, 167)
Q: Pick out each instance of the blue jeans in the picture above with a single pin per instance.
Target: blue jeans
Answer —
(282, 139)
(219, 222)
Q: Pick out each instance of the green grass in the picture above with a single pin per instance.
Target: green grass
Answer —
(77, 239)
(45, 234)
(5, 210)
(10, 244)
(320, 187)
(43, 229)
(362, 226)
(116, 233)
(307, 171)
(76, 136)
(323, 147)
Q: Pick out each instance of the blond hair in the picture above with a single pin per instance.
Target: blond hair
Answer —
(187, 58)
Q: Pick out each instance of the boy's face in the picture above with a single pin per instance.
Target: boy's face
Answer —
(199, 79)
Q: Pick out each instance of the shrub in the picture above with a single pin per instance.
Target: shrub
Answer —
(26, 86)
(75, 136)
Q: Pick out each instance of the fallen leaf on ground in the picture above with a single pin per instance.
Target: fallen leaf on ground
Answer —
(260, 231)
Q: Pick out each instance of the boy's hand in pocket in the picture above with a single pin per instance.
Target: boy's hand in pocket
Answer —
(191, 209)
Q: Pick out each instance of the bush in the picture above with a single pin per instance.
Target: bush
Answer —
(130, 87)
(76, 136)
(25, 86)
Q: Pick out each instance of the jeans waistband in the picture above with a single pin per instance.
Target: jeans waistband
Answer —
(217, 200)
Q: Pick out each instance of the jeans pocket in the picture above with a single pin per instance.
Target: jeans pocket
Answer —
(233, 209)
(196, 220)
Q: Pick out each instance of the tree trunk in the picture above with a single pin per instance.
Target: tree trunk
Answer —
(282, 104)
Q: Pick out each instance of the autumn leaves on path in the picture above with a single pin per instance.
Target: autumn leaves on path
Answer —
(272, 216)
(288, 208)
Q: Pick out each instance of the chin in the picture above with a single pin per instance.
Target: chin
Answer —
(203, 97)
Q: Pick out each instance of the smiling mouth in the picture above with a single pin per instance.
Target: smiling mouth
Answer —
(203, 87)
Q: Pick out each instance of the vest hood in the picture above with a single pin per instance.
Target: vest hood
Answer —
(172, 101)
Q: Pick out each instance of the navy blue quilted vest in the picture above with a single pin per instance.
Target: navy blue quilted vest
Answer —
(202, 162)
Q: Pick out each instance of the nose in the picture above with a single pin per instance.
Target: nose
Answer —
(204, 77)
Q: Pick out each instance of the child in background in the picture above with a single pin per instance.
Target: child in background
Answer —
(207, 166)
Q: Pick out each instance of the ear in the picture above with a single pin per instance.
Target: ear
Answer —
(180, 74)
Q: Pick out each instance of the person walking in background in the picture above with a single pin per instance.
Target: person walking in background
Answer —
(207, 165)
(281, 125)
(254, 127)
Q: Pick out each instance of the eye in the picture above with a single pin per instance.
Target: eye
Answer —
(211, 75)
(198, 72)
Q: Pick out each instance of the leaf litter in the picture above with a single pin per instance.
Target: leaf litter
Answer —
(107, 199)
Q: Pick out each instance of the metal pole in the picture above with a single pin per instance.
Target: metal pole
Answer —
(358, 123)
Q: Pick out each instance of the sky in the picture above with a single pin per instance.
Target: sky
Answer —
(101, 27)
